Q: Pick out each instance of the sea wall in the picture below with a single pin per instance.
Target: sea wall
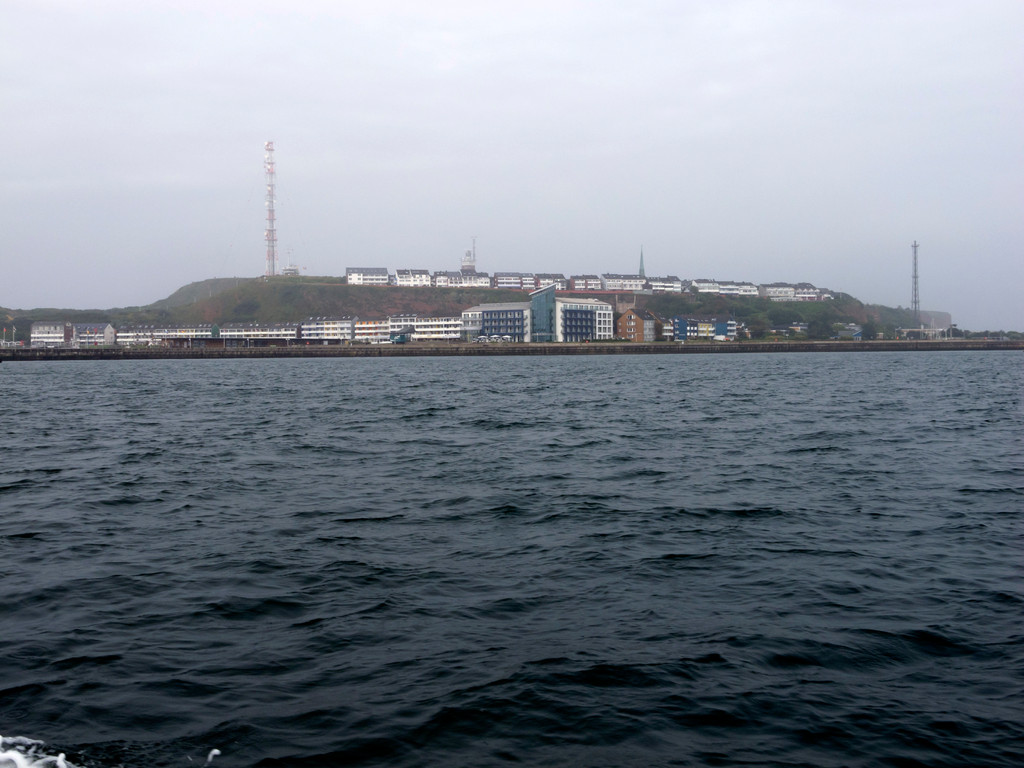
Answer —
(417, 349)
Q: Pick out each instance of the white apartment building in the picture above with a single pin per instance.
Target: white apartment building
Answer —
(586, 283)
(544, 279)
(51, 333)
(437, 329)
(573, 317)
(328, 330)
(737, 289)
(412, 278)
(447, 279)
(259, 334)
(779, 291)
(94, 335)
(472, 322)
(476, 280)
(610, 282)
(704, 286)
(793, 292)
(515, 280)
(367, 276)
(371, 331)
(669, 284)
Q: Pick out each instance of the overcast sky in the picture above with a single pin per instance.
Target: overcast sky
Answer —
(797, 140)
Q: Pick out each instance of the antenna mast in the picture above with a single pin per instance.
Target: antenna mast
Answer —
(915, 300)
(271, 232)
(469, 259)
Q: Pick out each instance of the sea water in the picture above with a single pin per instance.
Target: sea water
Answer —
(786, 559)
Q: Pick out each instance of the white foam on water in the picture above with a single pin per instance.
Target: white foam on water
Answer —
(19, 752)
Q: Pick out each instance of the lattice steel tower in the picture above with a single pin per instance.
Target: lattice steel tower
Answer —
(271, 232)
(915, 300)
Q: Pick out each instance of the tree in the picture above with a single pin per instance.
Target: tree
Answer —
(819, 328)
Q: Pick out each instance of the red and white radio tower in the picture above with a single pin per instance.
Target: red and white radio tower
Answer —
(271, 231)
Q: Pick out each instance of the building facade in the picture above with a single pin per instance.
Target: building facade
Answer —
(328, 330)
(612, 282)
(367, 276)
(586, 283)
(51, 333)
(639, 325)
(412, 278)
(695, 328)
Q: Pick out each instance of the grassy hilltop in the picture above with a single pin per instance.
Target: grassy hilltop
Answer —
(225, 300)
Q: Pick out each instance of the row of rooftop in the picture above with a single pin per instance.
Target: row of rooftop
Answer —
(638, 283)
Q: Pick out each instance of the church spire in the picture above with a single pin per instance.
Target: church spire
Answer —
(642, 274)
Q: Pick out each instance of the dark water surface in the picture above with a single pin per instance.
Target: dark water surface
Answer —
(683, 560)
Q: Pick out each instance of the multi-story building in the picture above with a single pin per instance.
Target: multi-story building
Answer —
(259, 334)
(328, 330)
(51, 333)
(730, 288)
(437, 329)
(669, 284)
(447, 279)
(515, 280)
(137, 336)
(412, 278)
(472, 323)
(463, 279)
(367, 276)
(545, 317)
(639, 325)
(793, 292)
(474, 279)
(371, 331)
(685, 328)
(704, 286)
(511, 319)
(586, 283)
(94, 335)
(779, 291)
(807, 292)
(544, 279)
(167, 335)
(583, 320)
(611, 282)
